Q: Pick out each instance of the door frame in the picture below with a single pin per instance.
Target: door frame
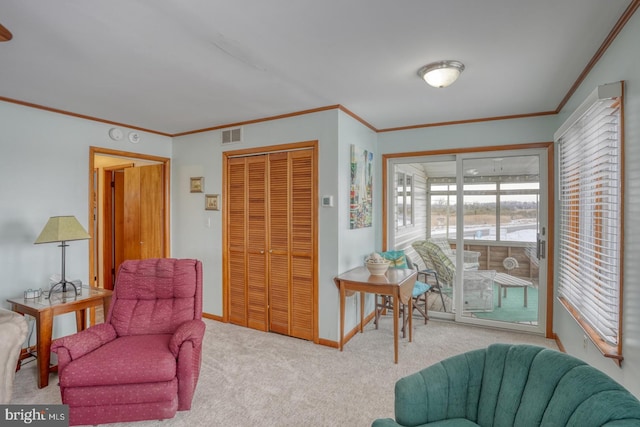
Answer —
(94, 212)
(548, 146)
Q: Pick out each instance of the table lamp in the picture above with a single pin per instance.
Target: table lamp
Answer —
(62, 229)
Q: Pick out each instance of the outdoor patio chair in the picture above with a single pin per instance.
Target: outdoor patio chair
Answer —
(470, 258)
(438, 260)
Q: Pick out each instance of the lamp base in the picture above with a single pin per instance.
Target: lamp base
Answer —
(63, 288)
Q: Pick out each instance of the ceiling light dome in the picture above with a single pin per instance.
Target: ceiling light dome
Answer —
(442, 73)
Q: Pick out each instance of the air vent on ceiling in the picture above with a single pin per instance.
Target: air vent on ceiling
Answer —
(231, 135)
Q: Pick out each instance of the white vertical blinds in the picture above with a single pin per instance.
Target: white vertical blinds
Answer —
(590, 196)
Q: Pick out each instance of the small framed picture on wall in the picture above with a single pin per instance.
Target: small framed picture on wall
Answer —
(197, 184)
(212, 202)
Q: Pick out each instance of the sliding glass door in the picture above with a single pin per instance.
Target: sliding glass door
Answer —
(503, 220)
(486, 214)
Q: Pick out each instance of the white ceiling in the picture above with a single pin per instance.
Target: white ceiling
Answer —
(174, 66)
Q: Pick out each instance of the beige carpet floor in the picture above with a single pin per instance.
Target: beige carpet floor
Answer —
(251, 378)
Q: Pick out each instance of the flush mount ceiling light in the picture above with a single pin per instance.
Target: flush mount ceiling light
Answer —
(442, 73)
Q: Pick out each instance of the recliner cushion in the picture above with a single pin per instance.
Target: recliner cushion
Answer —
(154, 296)
(126, 360)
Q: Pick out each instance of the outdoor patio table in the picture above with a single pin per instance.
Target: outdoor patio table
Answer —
(505, 281)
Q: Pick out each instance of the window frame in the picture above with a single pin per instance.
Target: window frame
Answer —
(498, 192)
(408, 218)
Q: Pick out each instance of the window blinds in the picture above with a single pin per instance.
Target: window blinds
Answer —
(590, 196)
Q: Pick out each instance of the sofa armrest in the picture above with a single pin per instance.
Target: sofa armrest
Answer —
(77, 345)
(192, 330)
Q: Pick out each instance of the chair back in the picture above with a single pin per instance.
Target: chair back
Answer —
(422, 252)
(444, 245)
(155, 296)
(435, 259)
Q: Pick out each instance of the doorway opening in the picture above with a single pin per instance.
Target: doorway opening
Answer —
(479, 223)
(128, 210)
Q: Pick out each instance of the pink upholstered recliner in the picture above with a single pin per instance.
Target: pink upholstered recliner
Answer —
(143, 362)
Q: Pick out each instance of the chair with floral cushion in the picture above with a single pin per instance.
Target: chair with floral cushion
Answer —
(143, 362)
(398, 259)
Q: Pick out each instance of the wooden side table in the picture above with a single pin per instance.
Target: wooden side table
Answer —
(396, 282)
(43, 310)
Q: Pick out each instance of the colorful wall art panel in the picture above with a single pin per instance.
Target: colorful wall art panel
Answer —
(361, 191)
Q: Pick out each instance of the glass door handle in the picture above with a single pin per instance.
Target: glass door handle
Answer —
(541, 248)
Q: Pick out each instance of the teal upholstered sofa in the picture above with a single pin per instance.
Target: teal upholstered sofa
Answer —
(512, 385)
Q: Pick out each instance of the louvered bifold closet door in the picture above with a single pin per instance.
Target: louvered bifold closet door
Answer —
(302, 243)
(272, 239)
(279, 225)
(291, 243)
(257, 243)
(236, 235)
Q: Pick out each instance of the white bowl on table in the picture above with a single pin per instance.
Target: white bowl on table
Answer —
(378, 268)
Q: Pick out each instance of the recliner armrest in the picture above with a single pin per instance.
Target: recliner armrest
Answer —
(83, 342)
(192, 330)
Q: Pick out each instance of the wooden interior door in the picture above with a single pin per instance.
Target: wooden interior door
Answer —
(143, 212)
(152, 211)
